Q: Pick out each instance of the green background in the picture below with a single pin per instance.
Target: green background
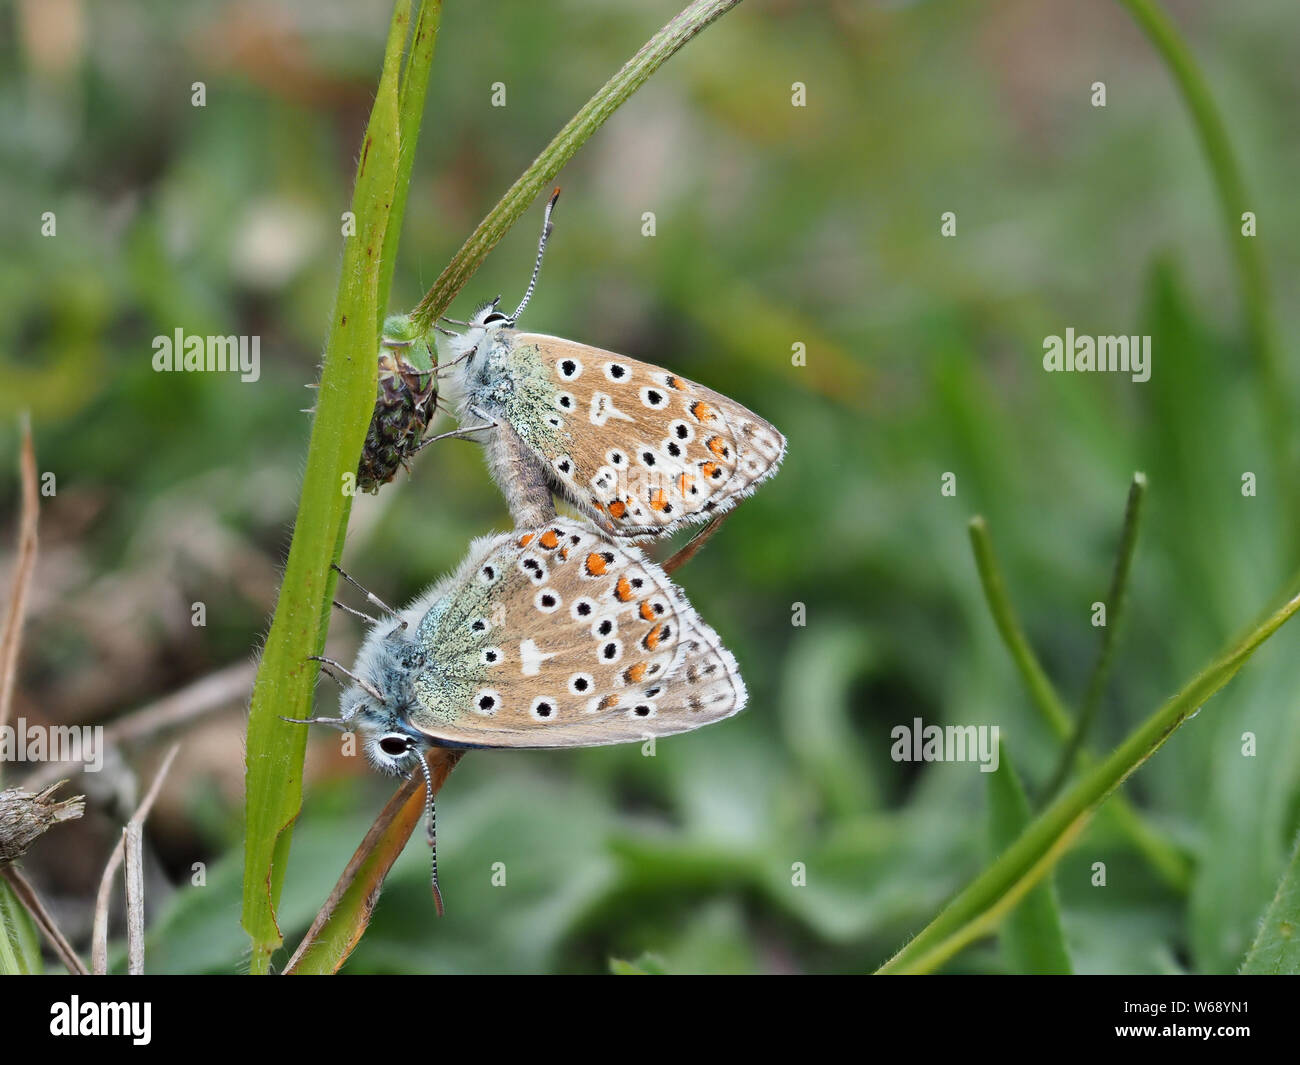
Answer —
(775, 225)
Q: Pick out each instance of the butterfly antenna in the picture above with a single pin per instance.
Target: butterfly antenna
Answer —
(541, 250)
(431, 828)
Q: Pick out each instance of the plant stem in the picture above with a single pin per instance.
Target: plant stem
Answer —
(1167, 860)
(979, 908)
(349, 379)
(411, 94)
(689, 22)
(1114, 606)
(31, 901)
(1252, 281)
(343, 919)
(1041, 690)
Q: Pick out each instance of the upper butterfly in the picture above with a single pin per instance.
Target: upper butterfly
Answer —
(638, 449)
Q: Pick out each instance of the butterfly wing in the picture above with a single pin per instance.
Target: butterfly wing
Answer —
(639, 450)
(555, 637)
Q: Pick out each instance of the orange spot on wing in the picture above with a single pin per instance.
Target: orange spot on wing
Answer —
(675, 382)
(623, 589)
(550, 539)
(684, 483)
(633, 674)
(564, 554)
(617, 509)
(526, 539)
(595, 564)
(658, 498)
(717, 445)
(647, 611)
(701, 411)
(651, 640)
(608, 701)
(709, 469)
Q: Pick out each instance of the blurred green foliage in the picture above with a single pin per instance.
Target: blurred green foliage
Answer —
(775, 225)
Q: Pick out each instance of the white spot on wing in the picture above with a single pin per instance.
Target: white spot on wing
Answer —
(532, 658)
(602, 409)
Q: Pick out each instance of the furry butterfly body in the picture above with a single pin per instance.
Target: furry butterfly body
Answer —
(546, 637)
(639, 450)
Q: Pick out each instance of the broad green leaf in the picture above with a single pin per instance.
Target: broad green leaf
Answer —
(20, 945)
(1276, 950)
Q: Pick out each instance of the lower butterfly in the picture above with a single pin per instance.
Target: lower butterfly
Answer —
(544, 637)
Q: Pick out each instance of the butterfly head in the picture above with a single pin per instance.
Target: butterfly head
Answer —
(392, 750)
(378, 703)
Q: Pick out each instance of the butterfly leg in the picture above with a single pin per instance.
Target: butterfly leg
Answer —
(678, 560)
(370, 597)
(454, 434)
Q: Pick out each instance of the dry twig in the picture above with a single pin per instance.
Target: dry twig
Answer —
(11, 640)
(99, 937)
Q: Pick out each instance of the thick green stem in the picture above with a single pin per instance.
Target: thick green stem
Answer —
(285, 678)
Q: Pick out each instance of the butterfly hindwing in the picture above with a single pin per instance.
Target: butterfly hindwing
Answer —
(637, 448)
(556, 637)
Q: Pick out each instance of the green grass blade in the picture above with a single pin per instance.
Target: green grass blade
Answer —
(1040, 687)
(1032, 938)
(1276, 950)
(1252, 280)
(1164, 857)
(410, 96)
(541, 172)
(1115, 598)
(980, 907)
(273, 775)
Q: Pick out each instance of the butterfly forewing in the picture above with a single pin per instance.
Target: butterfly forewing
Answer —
(643, 450)
(556, 637)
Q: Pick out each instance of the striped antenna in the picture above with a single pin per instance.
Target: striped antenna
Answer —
(541, 250)
(431, 828)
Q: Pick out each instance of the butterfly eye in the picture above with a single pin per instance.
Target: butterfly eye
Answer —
(494, 318)
(395, 745)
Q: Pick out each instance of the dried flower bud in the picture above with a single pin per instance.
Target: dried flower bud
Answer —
(25, 815)
(404, 406)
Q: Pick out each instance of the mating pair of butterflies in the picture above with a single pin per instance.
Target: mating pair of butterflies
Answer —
(560, 633)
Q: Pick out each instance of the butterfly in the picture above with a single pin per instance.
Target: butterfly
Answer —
(542, 638)
(639, 450)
